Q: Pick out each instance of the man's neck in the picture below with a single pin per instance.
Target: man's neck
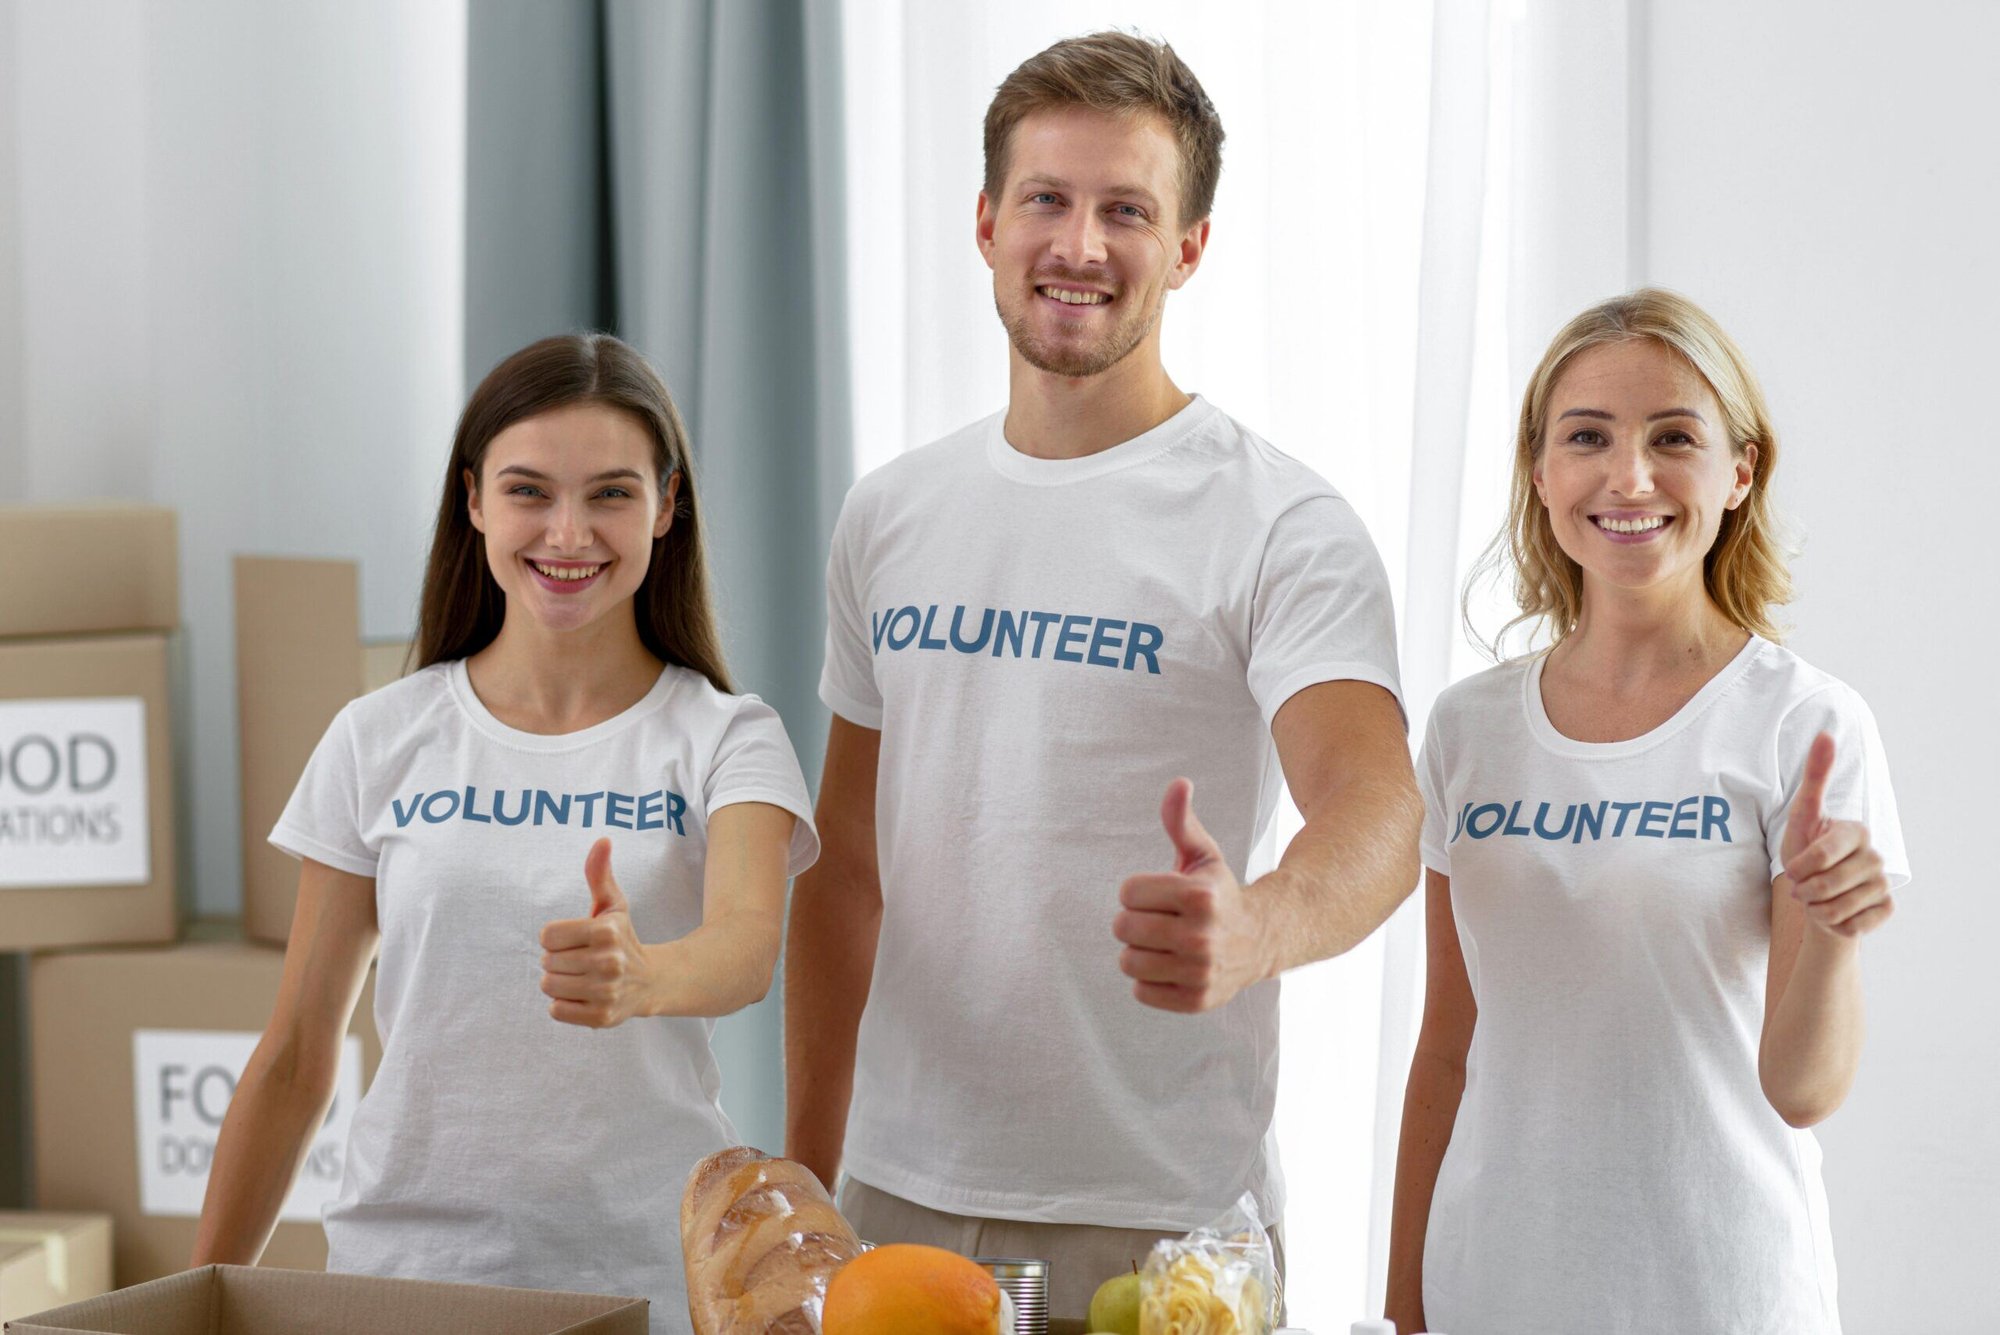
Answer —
(1056, 417)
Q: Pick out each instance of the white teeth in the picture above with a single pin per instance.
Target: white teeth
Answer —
(566, 572)
(1076, 298)
(1646, 525)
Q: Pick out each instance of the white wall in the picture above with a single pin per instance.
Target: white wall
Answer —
(1826, 182)
(241, 240)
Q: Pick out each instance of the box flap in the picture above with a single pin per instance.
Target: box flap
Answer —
(240, 1300)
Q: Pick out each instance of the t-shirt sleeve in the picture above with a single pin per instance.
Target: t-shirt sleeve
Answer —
(322, 821)
(1430, 782)
(1858, 788)
(847, 683)
(754, 762)
(1321, 609)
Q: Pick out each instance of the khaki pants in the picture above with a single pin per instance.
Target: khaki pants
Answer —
(1080, 1256)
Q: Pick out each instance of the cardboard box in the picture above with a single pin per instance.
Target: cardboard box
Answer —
(86, 792)
(299, 659)
(78, 569)
(237, 1300)
(47, 1260)
(133, 1057)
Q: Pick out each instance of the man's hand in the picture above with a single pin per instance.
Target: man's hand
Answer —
(1835, 872)
(1191, 939)
(596, 968)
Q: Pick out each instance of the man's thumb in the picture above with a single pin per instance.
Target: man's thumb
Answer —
(605, 896)
(1192, 844)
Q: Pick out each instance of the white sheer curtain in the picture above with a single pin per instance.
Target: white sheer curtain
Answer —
(1353, 308)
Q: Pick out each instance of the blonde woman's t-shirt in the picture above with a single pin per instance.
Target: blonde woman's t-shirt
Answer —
(496, 1144)
(1615, 1168)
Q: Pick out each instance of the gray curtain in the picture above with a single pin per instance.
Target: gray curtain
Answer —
(691, 202)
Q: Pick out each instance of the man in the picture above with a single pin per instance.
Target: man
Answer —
(1017, 1036)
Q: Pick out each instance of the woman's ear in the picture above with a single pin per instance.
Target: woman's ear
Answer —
(472, 501)
(665, 520)
(1746, 474)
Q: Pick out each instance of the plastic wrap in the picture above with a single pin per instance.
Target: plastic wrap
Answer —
(1220, 1279)
(761, 1240)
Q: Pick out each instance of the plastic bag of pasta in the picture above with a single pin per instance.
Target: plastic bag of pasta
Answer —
(1220, 1279)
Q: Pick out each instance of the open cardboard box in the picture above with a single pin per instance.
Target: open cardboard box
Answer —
(240, 1300)
(299, 659)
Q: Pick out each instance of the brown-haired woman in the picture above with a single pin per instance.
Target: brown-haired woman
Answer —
(1651, 852)
(566, 786)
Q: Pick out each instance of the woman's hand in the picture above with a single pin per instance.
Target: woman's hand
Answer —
(596, 970)
(1835, 872)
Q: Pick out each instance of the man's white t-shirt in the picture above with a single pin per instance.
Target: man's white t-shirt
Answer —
(1045, 645)
(1615, 1167)
(498, 1145)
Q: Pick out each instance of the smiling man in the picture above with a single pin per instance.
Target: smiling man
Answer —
(1031, 1007)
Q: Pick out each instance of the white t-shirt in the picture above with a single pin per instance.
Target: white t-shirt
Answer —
(1045, 645)
(498, 1145)
(1615, 1167)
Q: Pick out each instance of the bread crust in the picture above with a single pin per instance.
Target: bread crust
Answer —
(761, 1240)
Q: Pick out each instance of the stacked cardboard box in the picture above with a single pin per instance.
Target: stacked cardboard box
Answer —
(47, 1260)
(86, 777)
(135, 1055)
(299, 659)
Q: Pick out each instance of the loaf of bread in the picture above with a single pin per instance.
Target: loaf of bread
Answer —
(761, 1240)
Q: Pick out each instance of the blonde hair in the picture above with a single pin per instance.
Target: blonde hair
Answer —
(1120, 73)
(1745, 571)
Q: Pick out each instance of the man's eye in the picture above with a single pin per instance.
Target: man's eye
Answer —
(1043, 198)
(1131, 211)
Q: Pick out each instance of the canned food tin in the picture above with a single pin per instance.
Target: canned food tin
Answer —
(1026, 1282)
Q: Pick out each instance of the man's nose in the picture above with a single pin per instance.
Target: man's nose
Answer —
(1080, 240)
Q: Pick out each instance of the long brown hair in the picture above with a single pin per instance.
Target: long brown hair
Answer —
(463, 607)
(1745, 571)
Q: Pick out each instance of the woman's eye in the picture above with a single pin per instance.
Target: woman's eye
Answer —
(1586, 436)
(1675, 438)
(614, 494)
(523, 489)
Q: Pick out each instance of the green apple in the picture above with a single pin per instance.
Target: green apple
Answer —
(1114, 1309)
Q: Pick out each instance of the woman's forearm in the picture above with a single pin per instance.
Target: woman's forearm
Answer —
(1430, 1109)
(718, 968)
(1812, 1042)
(265, 1137)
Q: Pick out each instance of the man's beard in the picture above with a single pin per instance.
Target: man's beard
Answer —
(1073, 360)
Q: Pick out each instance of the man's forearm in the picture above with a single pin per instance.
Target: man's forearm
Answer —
(836, 920)
(1342, 876)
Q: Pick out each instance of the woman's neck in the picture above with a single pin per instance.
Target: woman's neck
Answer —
(1626, 638)
(550, 682)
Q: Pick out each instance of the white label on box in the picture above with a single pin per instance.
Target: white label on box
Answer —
(73, 801)
(183, 1080)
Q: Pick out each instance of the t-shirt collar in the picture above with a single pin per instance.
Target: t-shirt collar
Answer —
(482, 718)
(1011, 463)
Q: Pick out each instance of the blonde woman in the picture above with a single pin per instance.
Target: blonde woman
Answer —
(1652, 852)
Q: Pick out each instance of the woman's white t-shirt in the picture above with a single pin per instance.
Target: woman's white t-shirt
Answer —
(1615, 1167)
(497, 1145)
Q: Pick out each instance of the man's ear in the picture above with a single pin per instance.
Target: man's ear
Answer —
(982, 229)
(1194, 244)
(472, 501)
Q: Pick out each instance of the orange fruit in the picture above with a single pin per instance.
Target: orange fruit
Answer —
(905, 1289)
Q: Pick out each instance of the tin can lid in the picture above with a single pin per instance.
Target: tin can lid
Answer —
(1013, 1267)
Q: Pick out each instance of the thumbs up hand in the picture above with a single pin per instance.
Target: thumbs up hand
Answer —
(1191, 939)
(1834, 870)
(595, 969)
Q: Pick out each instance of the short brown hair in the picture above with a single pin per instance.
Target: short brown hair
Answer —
(1121, 73)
